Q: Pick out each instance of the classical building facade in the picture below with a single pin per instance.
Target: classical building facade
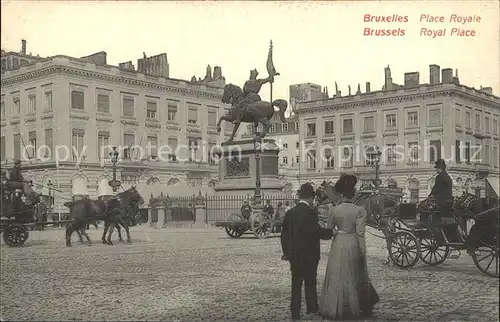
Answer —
(412, 125)
(78, 108)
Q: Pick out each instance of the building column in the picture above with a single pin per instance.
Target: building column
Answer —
(200, 212)
(150, 216)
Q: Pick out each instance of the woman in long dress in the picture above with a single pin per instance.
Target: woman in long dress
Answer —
(347, 291)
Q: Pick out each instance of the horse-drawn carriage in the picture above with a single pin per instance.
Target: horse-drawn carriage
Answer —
(420, 232)
(258, 224)
(19, 214)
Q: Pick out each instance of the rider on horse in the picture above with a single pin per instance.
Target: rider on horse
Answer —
(251, 95)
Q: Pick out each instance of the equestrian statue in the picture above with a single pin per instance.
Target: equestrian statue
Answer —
(247, 105)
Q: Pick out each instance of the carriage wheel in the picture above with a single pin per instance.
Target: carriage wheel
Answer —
(404, 249)
(15, 235)
(231, 229)
(261, 225)
(485, 256)
(431, 252)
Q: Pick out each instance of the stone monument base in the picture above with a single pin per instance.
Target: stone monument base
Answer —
(237, 168)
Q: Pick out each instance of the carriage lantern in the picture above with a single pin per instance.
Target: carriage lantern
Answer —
(114, 159)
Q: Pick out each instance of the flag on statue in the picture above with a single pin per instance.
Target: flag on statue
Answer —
(270, 66)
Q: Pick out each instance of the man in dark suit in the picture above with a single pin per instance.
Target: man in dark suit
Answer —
(300, 238)
(443, 189)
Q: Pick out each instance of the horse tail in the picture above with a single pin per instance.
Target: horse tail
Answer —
(281, 104)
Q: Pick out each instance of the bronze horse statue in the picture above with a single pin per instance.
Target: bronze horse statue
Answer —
(258, 111)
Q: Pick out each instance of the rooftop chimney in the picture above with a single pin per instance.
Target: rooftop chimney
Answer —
(447, 75)
(127, 65)
(487, 90)
(217, 72)
(388, 79)
(23, 47)
(412, 79)
(434, 71)
(368, 87)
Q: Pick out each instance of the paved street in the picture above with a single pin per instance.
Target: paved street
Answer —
(189, 275)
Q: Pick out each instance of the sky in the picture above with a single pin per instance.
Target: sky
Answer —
(317, 42)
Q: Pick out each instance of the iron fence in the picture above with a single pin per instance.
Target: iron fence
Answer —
(218, 208)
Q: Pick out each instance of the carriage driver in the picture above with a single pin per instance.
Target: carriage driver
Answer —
(16, 181)
(443, 190)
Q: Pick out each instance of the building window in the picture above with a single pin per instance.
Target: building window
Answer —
(371, 156)
(297, 160)
(414, 191)
(2, 110)
(486, 155)
(273, 128)
(330, 164)
(194, 146)
(49, 142)
(102, 103)
(2, 148)
(32, 104)
(17, 146)
(487, 124)
(311, 159)
(296, 126)
(495, 156)
(47, 101)
(192, 115)
(152, 150)
(128, 106)
(32, 144)
(329, 129)
(128, 143)
(369, 124)
(467, 120)
(495, 126)
(347, 157)
(435, 116)
(413, 148)
(412, 119)
(391, 154)
(77, 100)
(297, 145)
(311, 129)
(212, 118)
(172, 145)
(17, 106)
(103, 145)
(478, 122)
(435, 150)
(285, 160)
(284, 127)
(172, 111)
(77, 142)
(347, 126)
(151, 110)
(458, 117)
(458, 150)
(212, 157)
(390, 121)
(467, 152)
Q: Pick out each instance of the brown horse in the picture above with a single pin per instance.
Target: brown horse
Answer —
(257, 112)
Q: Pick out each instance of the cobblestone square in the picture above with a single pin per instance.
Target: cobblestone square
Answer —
(201, 274)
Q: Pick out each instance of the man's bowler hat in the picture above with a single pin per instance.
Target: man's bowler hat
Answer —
(440, 164)
(306, 190)
(17, 162)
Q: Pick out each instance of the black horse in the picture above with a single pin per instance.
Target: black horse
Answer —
(112, 212)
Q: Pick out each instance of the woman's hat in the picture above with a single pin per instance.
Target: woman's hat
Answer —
(306, 190)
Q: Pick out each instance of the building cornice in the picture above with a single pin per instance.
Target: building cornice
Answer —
(375, 100)
(90, 74)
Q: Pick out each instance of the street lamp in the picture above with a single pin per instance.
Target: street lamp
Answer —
(377, 182)
(257, 196)
(114, 158)
(50, 187)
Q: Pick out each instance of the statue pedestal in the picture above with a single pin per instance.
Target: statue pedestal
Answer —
(237, 168)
